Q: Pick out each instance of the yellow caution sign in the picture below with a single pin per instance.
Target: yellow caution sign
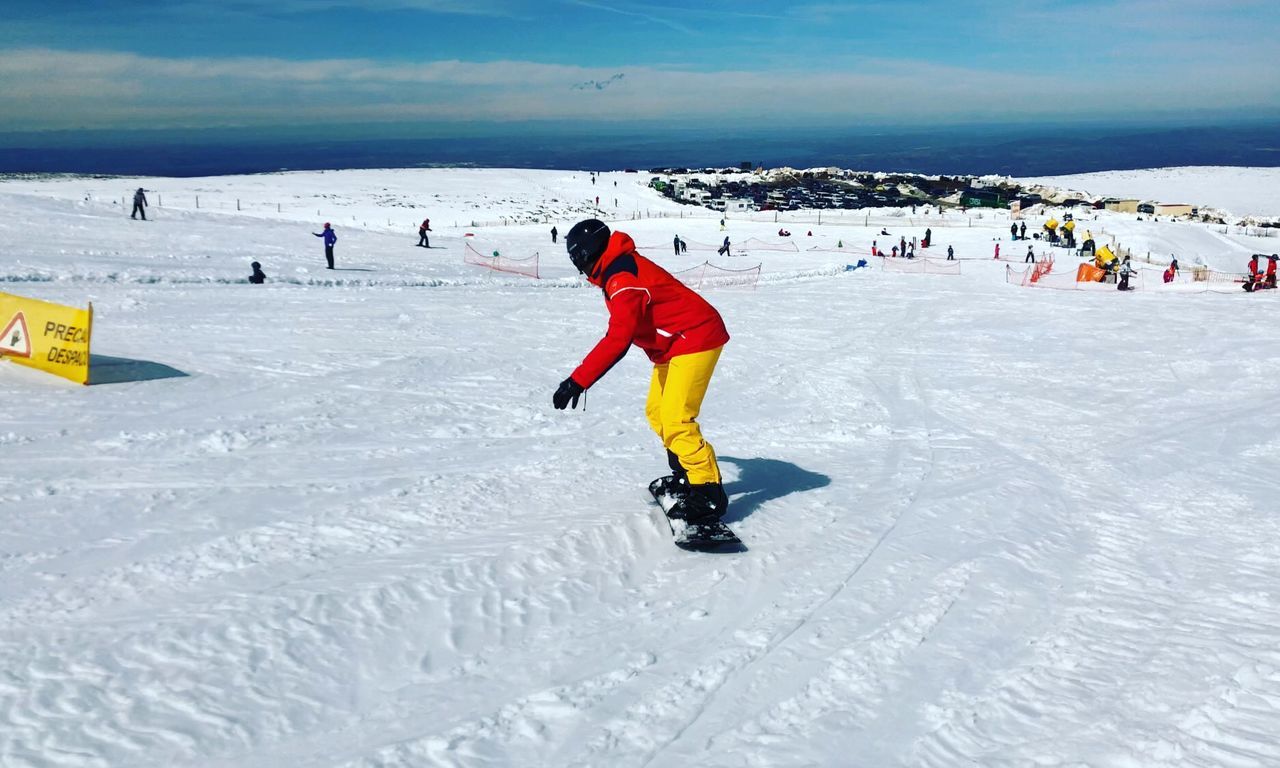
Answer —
(47, 336)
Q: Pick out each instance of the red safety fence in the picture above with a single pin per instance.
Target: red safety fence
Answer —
(921, 266)
(756, 244)
(708, 275)
(690, 245)
(1086, 278)
(859, 250)
(527, 266)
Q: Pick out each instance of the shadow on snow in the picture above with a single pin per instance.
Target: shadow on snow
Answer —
(762, 480)
(104, 369)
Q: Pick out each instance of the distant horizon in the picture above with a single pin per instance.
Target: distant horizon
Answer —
(1021, 149)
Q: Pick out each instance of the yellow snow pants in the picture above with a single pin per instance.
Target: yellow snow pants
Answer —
(675, 397)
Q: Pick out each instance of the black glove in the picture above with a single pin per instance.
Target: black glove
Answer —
(567, 394)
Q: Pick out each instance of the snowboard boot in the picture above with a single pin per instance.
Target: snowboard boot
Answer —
(703, 505)
(674, 485)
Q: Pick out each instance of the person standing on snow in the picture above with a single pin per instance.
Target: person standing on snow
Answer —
(139, 204)
(1270, 280)
(258, 277)
(1125, 272)
(1022, 231)
(423, 240)
(1254, 280)
(682, 334)
(554, 233)
(1013, 231)
(951, 253)
(1031, 255)
(330, 237)
(724, 249)
(675, 244)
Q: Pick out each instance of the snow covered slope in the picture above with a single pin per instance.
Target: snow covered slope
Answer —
(988, 525)
(1242, 191)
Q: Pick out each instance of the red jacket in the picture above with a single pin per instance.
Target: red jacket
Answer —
(649, 308)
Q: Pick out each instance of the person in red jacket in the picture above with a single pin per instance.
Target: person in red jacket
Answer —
(1270, 280)
(683, 336)
(1254, 280)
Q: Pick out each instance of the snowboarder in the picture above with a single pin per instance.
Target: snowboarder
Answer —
(682, 334)
(1125, 272)
(951, 253)
(258, 277)
(554, 234)
(724, 249)
(329, 239)
(1031, 255)
(1013, 231)
(423, 240)
(1022, 231)
(1171, 271)
(139, 204)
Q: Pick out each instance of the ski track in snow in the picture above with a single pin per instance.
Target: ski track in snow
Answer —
(987, 525)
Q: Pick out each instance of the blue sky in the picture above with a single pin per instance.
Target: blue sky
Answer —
(72, 64)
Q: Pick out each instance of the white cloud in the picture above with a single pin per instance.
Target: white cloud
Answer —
(52, 89)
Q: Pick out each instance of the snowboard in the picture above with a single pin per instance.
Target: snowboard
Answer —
(700, 537)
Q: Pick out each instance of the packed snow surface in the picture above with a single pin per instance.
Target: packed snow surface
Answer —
(333, 520)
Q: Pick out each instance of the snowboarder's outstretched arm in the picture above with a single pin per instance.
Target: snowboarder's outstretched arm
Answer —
(625, 307)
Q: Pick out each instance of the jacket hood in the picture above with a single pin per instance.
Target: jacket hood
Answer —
(619, 243)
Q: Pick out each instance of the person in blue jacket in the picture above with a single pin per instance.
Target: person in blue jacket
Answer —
(329, 239)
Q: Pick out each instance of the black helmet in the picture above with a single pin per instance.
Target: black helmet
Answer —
(586, 243)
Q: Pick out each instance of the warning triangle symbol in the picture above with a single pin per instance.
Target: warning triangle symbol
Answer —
(15, 340)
